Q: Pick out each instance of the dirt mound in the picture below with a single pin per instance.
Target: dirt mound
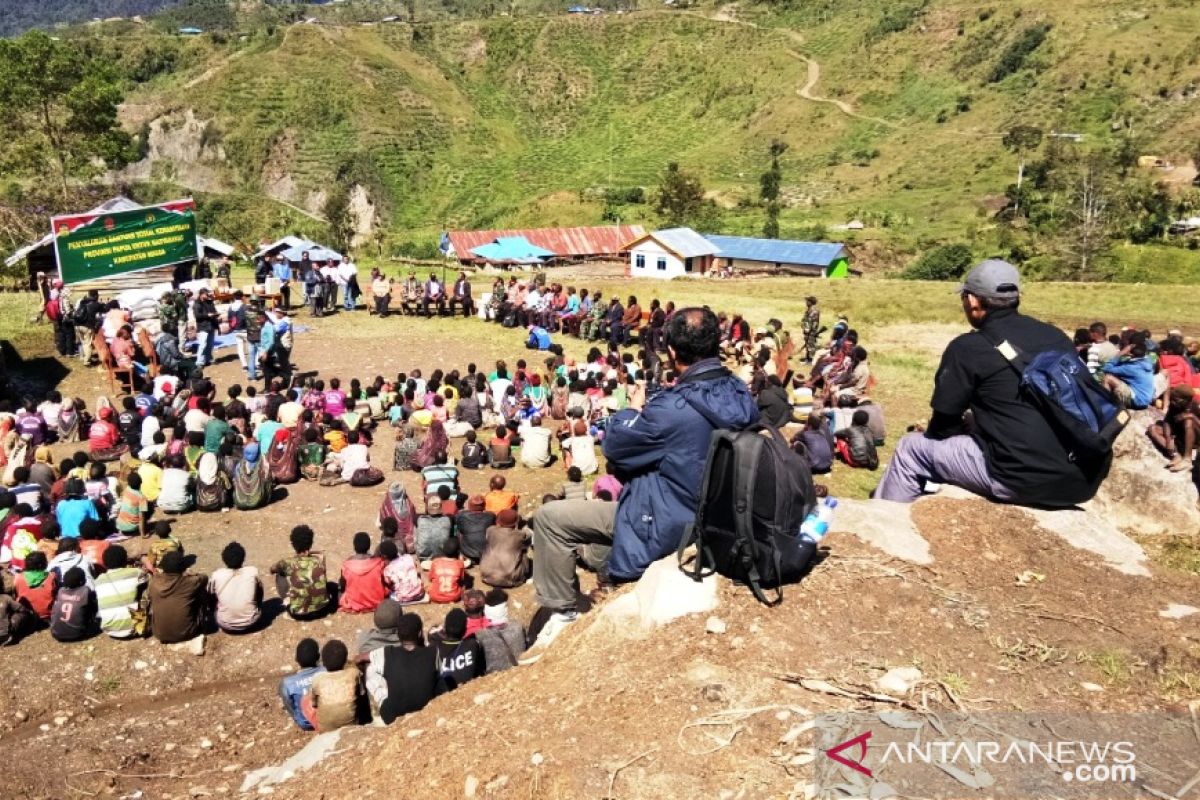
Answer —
(1007, 610)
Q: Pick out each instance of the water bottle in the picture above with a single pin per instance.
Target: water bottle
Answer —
(817, 523)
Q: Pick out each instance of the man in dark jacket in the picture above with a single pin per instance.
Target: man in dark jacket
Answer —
(462, 296)
(856, 444)
(207, 319)
(1010, 452)
(658, 449)
(773, 403)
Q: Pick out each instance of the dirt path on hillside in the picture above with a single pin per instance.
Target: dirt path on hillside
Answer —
(213, 70)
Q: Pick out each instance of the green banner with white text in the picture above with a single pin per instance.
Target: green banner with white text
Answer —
(99, 245)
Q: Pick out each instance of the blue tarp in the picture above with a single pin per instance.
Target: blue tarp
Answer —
(512, 250)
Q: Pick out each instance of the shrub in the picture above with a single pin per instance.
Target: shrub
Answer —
(943, 263)
(1014, 56)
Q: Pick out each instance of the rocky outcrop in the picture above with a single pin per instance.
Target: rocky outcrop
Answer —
(181, 148)
(1140, 495)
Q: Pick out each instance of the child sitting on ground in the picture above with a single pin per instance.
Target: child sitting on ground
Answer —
(295, 687)
(574, 488)
(498, 499)
(1176, 434)
(474, 454)
(361, 587)
(448, 500)
(447, 574)
(74, 611)
(505, 561)
(473, 604)
(160, 546)
(402, 575)
(500, 455)
(36, 585)
(433, 529)
(856, 444)
(312, 455)
(337, 694)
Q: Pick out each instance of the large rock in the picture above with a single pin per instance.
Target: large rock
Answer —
(661, 595)
(1140, 495)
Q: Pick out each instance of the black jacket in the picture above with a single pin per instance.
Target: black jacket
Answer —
(861, 444)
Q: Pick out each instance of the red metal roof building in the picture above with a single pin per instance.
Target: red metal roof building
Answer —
(600, 241)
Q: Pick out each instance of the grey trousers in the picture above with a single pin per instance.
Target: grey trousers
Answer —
(559, 530)
(957, 460)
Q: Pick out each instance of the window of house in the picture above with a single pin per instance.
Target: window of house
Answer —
(662, 264)
(639, 261)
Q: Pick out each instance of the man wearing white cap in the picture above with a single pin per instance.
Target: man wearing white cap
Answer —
(1004, 448)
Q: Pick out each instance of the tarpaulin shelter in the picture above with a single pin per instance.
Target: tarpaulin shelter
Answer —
(512, 250)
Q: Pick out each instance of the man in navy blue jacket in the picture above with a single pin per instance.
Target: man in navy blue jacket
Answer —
(658, 452)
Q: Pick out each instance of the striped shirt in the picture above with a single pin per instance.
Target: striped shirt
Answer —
(117, 596)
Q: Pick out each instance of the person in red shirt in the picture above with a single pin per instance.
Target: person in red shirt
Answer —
(36, 586)
(473, 603)
(104, 438)
(361, 585)
(447, 574)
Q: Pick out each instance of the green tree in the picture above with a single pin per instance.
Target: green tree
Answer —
(58, 111)
(679, 199)
(943, 263)
(769, 185)
(1021, 140)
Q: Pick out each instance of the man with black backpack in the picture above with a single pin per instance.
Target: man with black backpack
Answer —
(657, 448)
(86, 319)
(1016, 446)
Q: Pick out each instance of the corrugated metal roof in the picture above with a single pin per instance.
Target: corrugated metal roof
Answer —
(599, 240)
(683, 242)
(208, 243)
(777, 251)
(118, 203)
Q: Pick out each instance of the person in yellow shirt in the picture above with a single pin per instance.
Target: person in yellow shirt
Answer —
(151, 473)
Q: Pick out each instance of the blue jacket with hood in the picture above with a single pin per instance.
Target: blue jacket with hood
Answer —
(660, 454)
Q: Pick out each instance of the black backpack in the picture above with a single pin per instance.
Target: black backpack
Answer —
(755, 493)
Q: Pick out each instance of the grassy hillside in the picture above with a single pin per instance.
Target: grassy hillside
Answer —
(893, 113)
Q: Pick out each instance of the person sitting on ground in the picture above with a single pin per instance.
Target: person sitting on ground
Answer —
(251, 480)
(133, 508)
(401, 575)
(403, 678)
(449, 502)
(773, 403)
(474, 454)
(539, 338)
(104, 439)
(574, 488)
(16, 620)
(505, 562)
(176, 495)
(432, 531)
(1012, 453)
(473, 604)
(295, 687)
(856, 444)
(498, 497)
(178, 601)
(36, 585)
(312, 455)
(471, 526)
(1176, 434)
(1130, 375)
(70, 554)
(158, 547)
(447, 574)
(579, 450)
(816, 444)
(92, 543)
(460, 657)
(237, 590)
(74, 612)
(119, 594)
(336, 696)
(502, 639)
(441, 474)
(535, 444)
(398, 516)
(386, 618)
(500, 449)
(361, 587)
(300, 579)
(659, 442)
(74, 509)
(214, 489)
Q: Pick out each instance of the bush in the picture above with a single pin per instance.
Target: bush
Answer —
(1014, 56)
(944, 263)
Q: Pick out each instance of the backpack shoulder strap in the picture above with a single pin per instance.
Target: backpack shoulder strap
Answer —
(702, 563)
(1011, 355)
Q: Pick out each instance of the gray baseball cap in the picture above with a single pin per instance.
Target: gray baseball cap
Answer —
(994, 278)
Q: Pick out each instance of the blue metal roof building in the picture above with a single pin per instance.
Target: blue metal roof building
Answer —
(829, 258)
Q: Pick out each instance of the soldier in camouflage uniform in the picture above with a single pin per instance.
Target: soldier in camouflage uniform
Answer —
(811, 328)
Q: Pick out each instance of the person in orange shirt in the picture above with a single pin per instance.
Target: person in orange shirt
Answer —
(36, 585)
(498, 499)
(447, 574)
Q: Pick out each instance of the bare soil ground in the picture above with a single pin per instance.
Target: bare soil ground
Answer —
(137, 719)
